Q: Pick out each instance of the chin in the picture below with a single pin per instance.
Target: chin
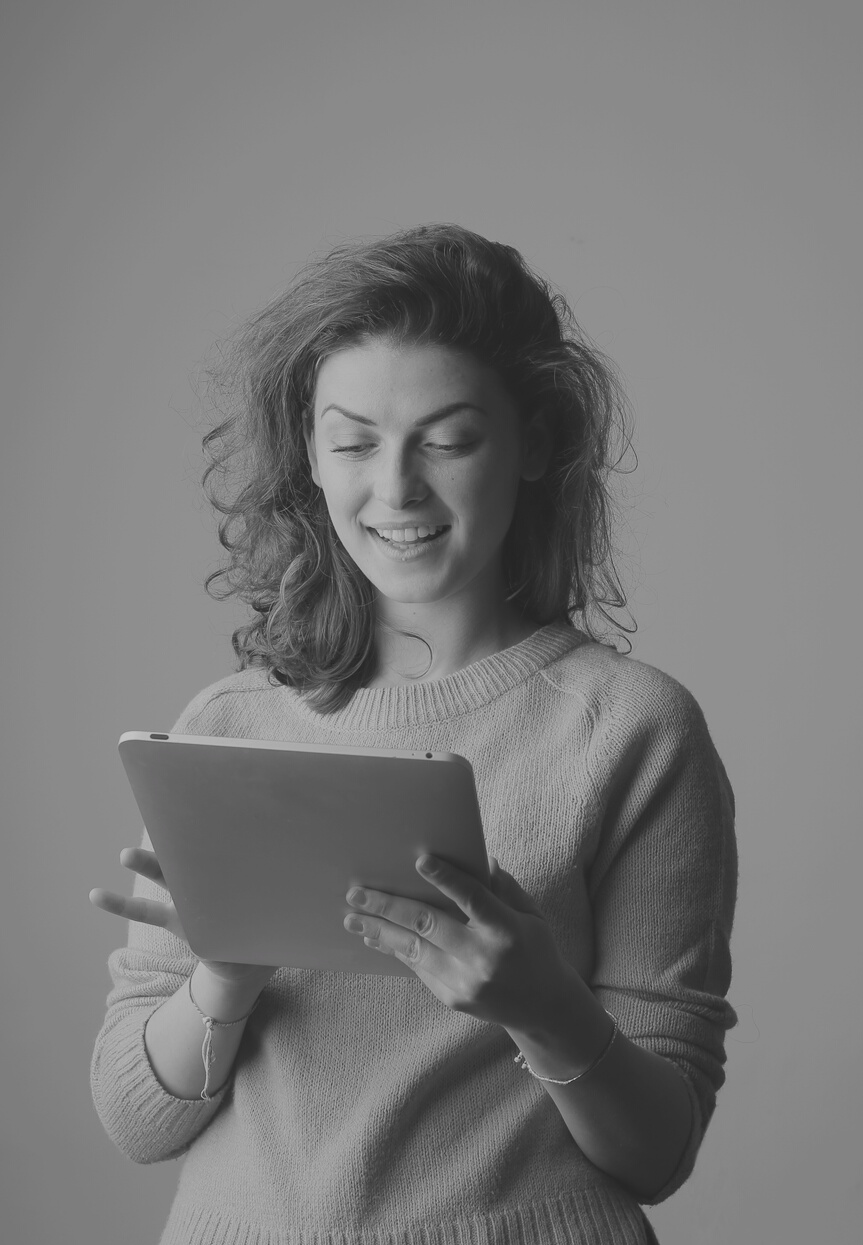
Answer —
(402, 596)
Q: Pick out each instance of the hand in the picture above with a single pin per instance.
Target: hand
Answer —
(165, 916)
(502, 966)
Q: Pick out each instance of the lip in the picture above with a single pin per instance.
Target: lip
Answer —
(408, 551)
(389, 526)
(376, 529)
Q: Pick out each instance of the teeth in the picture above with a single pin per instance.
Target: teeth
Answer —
(407, 535)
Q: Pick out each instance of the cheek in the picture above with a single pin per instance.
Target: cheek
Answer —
(494, 490)
(340, 488)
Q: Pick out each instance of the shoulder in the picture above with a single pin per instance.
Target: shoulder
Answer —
(648, 732)
(622, 694)
(640, 725)
(230, 705)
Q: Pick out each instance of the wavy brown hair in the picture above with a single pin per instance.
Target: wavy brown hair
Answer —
(313, 621)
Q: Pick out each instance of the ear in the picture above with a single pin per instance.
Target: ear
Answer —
(309, 436)
(535, 446)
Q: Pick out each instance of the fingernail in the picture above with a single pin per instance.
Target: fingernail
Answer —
(427, 864)
(357, 896)
(354, 924)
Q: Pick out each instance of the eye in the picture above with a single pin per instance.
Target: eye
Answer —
(453, 447)
(348, 449)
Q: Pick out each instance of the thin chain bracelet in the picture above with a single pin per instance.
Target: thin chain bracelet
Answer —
(208, 1055)
(522, 1063)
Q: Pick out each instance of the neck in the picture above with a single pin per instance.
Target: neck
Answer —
(419, 643)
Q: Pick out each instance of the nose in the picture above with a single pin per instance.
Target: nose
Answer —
(398, 481)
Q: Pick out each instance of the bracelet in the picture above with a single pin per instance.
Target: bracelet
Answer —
(522, 1063)
(208, 1055)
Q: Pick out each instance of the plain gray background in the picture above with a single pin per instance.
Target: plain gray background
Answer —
(688, 173)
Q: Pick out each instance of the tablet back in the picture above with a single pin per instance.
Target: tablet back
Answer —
(258, 842)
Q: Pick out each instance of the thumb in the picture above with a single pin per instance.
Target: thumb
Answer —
(507, 889)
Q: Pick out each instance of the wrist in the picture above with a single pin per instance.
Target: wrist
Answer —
(228, 999)
(566, 1041)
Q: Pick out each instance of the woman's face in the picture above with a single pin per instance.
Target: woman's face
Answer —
(419, 452)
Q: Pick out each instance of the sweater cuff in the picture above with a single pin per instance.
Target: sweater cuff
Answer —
(144, 1120)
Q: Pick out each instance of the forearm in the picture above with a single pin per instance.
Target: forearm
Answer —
(175, 1032)
(631, 1114)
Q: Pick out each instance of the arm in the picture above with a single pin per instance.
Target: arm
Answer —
(662, 890)
(628, 1110)
(174, 1034)
(631, 1117)
(147, 1072)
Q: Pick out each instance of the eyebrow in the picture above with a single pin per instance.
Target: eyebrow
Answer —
(432, 418)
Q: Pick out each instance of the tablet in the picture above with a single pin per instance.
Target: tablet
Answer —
(258, 842)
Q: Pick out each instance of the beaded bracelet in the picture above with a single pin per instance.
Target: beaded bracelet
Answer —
(522, 1063)
(208, 1055)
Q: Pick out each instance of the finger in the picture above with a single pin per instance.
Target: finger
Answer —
(425, 959)
(475, 900)
(505, 886)
(139, 860)
(108, 901)
(422, 920)
(147, 911)
(376, 945)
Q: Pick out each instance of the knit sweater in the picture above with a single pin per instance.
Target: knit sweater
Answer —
(362, 1110)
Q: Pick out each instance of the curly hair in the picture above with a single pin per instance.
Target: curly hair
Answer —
(313, 621)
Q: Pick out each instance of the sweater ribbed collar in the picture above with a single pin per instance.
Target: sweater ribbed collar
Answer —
(464, 691)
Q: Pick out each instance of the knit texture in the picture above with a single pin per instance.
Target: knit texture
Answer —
(362, 1111)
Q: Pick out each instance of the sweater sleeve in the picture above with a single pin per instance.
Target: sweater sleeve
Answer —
(663, 886)
(146, 1122)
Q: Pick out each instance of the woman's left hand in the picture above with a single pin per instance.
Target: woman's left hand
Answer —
(503, 966)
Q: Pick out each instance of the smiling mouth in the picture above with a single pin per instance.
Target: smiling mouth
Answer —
(421, 534)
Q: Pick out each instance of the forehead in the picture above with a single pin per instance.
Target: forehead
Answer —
(378, 379)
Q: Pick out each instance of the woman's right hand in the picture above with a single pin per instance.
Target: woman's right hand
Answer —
(165, 916)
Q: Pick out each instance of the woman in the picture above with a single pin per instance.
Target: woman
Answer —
(413, 479)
